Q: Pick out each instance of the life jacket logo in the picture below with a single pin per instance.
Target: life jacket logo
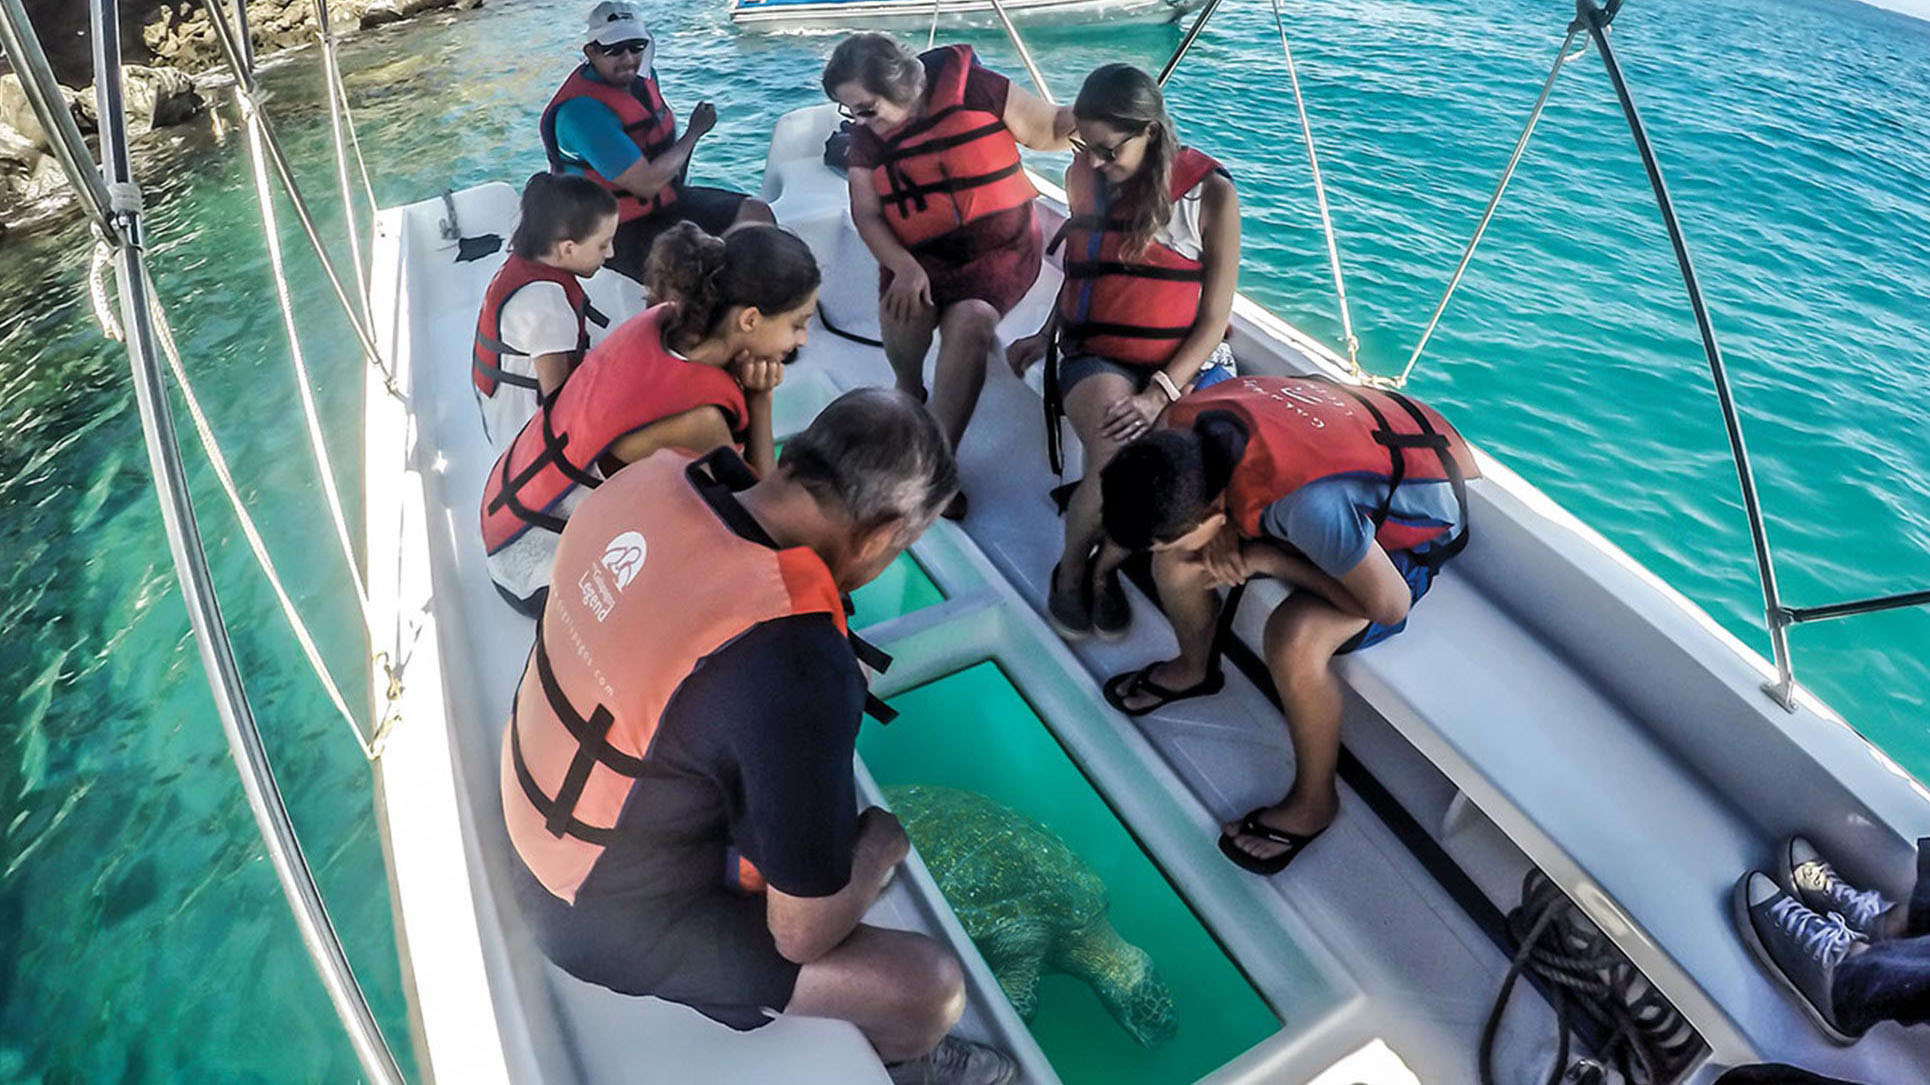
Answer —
(624, 556)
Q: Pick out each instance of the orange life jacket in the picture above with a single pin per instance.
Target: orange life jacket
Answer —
(1304, 429)
(646, 119)
(486, 357)
(951, 166)
(628, 381)
(649, 582)
(1135, 308)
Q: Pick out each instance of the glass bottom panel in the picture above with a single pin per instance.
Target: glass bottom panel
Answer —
(902, 588)
(1131, 987)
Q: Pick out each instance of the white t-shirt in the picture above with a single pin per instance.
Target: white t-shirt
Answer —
(1183, 234)
(536, 320)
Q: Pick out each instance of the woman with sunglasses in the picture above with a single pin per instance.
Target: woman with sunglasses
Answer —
(1152, 258)
(941, 199)
(609, 122)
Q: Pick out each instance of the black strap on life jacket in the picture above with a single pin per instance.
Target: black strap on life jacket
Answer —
(501, 349)
(554, 452)
(592, 734)
(904, 194)
(1396, 444)
(719, 476)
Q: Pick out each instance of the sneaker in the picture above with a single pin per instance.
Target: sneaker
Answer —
(1820, 889)
(957, 1061)
(1069, 610)
(1797, 945)
(1111, 614)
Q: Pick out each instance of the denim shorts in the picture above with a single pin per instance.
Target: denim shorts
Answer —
(1419, 576)
(1074, 368)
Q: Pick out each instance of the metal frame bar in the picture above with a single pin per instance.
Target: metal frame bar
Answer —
(1872, 605)
(30, 62)
(240, 61)
(1596, 19)
(197, 586)
(1185, 43)
(1025, 55)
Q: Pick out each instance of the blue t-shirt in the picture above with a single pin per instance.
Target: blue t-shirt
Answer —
(587, 129)
(1331, 520)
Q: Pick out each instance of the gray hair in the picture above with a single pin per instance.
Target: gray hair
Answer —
(876, 455)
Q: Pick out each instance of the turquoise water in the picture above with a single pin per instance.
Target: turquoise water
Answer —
(902, 588)
(973, 731)
(143, 937)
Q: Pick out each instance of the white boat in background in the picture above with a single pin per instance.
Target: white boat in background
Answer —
(1555, 706)
(946, 14)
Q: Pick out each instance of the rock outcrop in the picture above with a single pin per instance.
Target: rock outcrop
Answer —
(163, 42)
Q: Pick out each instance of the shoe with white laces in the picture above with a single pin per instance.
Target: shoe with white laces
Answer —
(957, 1061)
(1799, 946)
(1815, 883)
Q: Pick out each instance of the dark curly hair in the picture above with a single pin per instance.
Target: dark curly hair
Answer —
(762, 267)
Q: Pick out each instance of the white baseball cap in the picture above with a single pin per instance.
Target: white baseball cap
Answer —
(613, 21)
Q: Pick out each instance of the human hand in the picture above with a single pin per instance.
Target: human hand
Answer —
(1224, 559)
(755, 375)
(1023, 352)
(1131, 417)
(702, 120)
(880, 831)
(909, 292)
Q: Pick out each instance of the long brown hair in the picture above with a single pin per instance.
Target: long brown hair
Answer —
(1124, 97)
(764, 267)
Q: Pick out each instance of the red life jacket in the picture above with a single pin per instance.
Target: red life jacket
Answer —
(1136, 308)
(628, 381)
(649, 582)
(1304, 429)
(951, 166)
(486, 357)
(646, 119)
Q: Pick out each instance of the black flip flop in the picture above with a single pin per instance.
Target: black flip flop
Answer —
(1121, 686)
(1252, 826)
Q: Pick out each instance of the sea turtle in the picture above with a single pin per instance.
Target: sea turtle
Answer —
(1031, 905)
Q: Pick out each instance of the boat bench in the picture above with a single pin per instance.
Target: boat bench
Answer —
(1578, 785)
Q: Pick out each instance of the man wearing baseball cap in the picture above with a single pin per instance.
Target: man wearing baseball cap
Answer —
(610, 123)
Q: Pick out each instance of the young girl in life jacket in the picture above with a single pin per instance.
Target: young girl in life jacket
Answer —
(695, 374)
(1152, 258)
(940, 198)
(535, 322)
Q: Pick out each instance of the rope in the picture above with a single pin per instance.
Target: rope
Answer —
(164, 335)
(272, 235)
(1584, 973)
(337, 108)
(931, 39)
(1562, 56)
(1320, 196)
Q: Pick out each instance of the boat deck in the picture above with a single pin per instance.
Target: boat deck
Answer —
(1501, 730)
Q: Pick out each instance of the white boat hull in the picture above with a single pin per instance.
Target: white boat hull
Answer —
(951, 14)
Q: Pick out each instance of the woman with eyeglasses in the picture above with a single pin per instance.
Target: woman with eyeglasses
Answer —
(941, 199)
(1152, 258)
(609, 122)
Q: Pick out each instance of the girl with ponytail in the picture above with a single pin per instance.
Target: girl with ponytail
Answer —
(1152, 259)
(694, 372)
(535, 320)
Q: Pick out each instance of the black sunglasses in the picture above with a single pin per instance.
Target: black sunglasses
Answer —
(863, 113)
(1100, 151)
(633, 48)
